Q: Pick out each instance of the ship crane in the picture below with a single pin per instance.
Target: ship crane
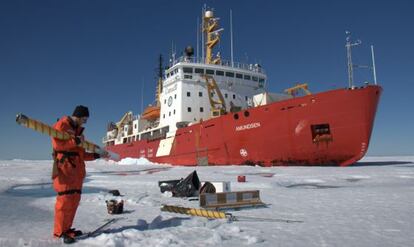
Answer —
(125, 120)
(218, 107)
(293, 91)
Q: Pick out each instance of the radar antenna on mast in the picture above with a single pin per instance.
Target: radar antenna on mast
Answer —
(348, 46)
(212, 33)
(351, 66)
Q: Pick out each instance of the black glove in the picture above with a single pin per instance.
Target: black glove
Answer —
(77, 140)
(96, 156)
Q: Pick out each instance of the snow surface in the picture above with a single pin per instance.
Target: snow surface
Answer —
(368, 204)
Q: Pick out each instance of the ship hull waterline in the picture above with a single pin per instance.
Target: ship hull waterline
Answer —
(327, 128)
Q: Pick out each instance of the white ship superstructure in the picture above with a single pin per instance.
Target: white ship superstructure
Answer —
(183, 96)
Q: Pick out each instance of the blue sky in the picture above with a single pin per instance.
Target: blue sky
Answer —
(55, 55)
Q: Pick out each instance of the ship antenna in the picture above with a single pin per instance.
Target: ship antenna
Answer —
(172, 53)
(231, 37)
(203, 10)
(160, 74)
(142, 95)
(348, 46)
(373, 65)
(159, 82)
(198, 39)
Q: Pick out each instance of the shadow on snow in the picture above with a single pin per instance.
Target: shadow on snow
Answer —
(384, 163)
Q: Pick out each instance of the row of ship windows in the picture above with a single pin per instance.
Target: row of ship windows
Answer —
(200, 94)
(188, 110)
(151, 135)
(189, 70)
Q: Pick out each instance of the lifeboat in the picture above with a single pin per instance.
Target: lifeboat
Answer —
(151, 113)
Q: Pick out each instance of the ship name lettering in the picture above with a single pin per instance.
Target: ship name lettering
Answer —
(247, 126)
(171, 89)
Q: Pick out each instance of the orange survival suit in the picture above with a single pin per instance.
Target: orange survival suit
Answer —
(67, 181)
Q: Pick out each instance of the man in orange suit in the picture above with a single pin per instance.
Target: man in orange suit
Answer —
(69, 172)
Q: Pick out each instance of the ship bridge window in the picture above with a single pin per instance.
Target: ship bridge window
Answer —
(200, 94)
(209, 72)
(261, 82)
(199, 71)
(240, 76)
(219, 72)
(188, 70)
(189, 109)
(255, 78)
(201, 109)
(229, 74)
(188, 76)
(188, 94)
(247, 77)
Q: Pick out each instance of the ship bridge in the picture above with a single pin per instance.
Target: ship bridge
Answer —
(185, 94)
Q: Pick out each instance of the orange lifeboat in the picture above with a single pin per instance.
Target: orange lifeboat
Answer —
(151, 113)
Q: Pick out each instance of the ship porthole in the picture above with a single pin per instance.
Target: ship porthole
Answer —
(246, 113)
(236, 116)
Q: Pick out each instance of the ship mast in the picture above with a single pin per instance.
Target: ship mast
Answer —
(348, 46)
(212, 33)
(159, 83)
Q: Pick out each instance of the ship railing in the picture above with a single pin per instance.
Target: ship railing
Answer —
(226, 63)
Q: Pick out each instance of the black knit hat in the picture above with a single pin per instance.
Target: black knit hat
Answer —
(81, 111)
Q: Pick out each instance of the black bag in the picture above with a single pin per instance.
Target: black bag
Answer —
(167, 185)
(207, 188)
(187, 187)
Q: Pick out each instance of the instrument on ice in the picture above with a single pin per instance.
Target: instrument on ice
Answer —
(194, 212)
(43, 128)
(219, 215)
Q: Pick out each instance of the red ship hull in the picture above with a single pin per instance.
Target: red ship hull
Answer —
(328, 128)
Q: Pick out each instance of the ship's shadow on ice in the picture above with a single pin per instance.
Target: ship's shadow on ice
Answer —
(384, 163)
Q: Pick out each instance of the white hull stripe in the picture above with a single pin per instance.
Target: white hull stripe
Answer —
(164, 148)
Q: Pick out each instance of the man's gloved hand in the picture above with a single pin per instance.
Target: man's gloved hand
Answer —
(105, 155)
(79, 139)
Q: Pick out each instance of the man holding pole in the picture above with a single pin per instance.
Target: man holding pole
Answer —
(69, 171)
